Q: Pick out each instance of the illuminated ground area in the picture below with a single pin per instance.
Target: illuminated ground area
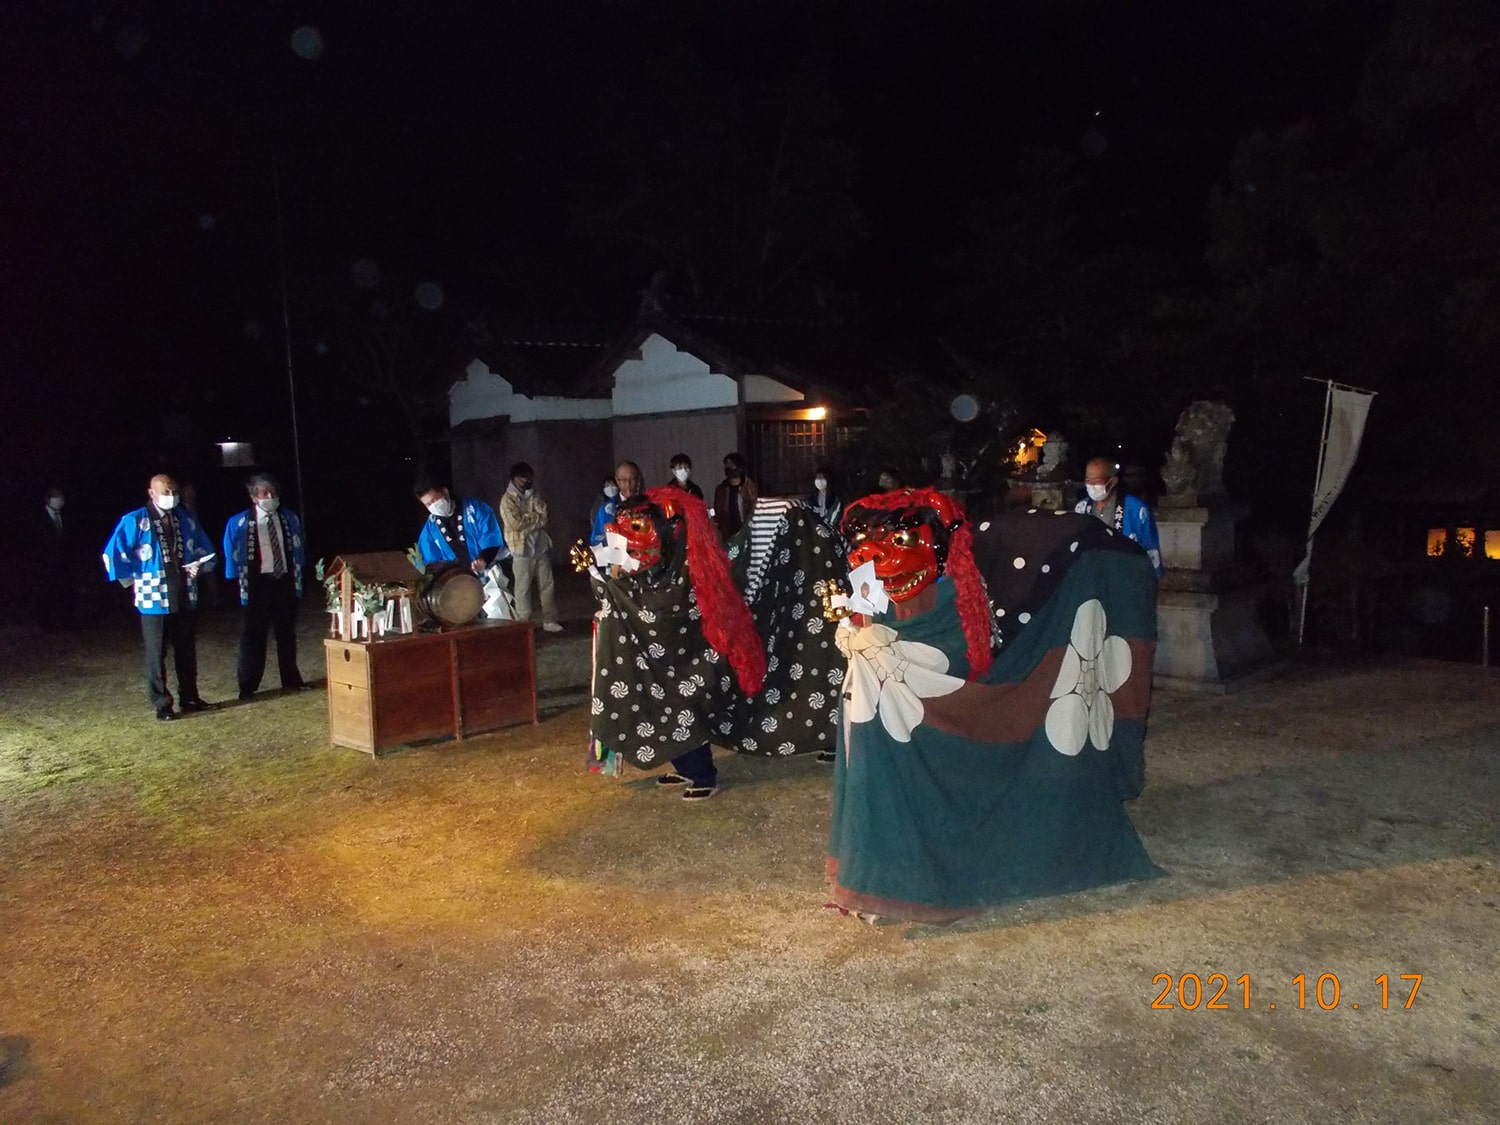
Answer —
(226, 920)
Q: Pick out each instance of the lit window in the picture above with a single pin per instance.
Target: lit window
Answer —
(236, 454)
(1492, 544)
(1437, 541)
(1465, 541)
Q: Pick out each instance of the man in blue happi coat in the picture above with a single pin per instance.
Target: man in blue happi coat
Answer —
(1126, 514)
(158, 550)
(627, 484)
(464, 530)
(263, 549)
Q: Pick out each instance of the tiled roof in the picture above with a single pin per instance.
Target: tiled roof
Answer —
(542, 366)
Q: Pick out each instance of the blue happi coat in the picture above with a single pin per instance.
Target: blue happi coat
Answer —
(237, 548)
(481, 531)
(603, 514)
(1134, 519)
(134, 552)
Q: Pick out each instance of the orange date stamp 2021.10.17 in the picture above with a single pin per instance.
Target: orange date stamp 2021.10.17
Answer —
(1216, 992)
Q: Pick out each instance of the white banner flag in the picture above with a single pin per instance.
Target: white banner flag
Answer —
(1348, 408)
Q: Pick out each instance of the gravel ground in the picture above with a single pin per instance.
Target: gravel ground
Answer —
(227, 920)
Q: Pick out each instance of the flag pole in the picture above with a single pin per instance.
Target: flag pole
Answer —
(1317, 481)
(286, 335)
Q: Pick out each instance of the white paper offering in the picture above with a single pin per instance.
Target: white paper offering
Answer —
(497, 603)
(869, 591)
(613, 553)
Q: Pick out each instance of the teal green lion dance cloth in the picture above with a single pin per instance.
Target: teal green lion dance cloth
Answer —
(993, 713)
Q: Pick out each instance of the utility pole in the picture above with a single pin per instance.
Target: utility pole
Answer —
(286, 335)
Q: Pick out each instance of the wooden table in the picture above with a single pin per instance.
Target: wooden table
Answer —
(459, 682)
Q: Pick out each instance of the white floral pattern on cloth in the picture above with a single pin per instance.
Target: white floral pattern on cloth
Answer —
(1094, 665)
(890, 678)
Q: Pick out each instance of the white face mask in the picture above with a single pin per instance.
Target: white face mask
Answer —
(820, 484)
(682, 475)
(165, 503)
(55, 503)
(1097, 492)
(269, 504)
(441, 508)
(611, 491)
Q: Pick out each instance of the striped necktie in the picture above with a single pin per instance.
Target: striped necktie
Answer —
(278, 559)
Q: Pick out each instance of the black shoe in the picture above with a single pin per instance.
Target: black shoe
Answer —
(699, 792)
(298, 686)
(246, 696)
(827, 756)
(673, 779)
(165, 715)
(195, 705)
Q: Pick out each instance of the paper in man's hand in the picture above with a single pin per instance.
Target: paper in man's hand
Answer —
(613, 553)
(869, 591)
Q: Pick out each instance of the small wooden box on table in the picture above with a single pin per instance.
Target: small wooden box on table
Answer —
(465, 680)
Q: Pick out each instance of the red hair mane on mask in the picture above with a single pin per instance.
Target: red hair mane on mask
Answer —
(727, 624)
(968, 584)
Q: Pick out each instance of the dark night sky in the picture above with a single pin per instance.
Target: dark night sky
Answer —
(447, 142)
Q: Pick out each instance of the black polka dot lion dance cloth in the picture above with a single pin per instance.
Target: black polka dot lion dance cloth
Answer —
(685, 656)
(994, 712)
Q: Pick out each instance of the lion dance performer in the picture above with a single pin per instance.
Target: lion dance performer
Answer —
(993, 715)
(683, 660)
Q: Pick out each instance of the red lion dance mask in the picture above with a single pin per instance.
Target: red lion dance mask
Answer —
(655, 527)
(915, 536)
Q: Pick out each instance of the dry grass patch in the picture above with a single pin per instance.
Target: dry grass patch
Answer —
(225, 919)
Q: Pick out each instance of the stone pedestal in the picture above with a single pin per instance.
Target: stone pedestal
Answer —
(1047, 496)
(1198, 538)
(1043, 495)
(1208, 638)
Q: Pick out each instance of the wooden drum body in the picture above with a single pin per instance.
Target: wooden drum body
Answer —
(451, 596)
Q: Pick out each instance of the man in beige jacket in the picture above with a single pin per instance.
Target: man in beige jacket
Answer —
(523, 517)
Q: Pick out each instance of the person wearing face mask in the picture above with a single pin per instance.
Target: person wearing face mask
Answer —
(734, 499)
(626, 483)
(606, 502)
(53, 583)
(158, 550)
(263, 549)
(682, 475)
(825, 501)
(1125, 513)
(465, 531)
(523, 515)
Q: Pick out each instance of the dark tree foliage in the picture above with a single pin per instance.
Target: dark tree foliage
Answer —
(733, 196)
(1363, 248)
(371, 343)
(1357, 243)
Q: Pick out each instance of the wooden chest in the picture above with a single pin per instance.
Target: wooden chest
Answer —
(460, 682)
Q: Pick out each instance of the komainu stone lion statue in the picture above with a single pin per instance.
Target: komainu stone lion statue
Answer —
(1054, 464)
(1194, 469)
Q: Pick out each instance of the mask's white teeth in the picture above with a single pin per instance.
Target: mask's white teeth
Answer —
(907, 585)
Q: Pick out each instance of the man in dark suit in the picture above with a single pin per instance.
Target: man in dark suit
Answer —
(54, 558)
(263, 548)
